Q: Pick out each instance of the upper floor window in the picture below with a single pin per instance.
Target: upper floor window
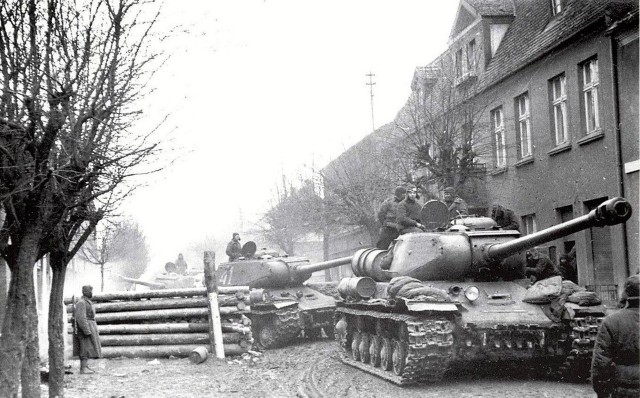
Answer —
(590, 83)
(500, 150)
(557, 6)
(471, 56)
(558, 89)
(458, 63)
(523, 126)
(529, 224)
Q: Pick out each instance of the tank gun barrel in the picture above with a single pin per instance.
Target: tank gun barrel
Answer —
(310, 268)
(143, 283)
(611, 212)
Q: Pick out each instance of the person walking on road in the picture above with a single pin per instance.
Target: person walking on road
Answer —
(615, 367)
(234, 248)
(86, 330)
(389, 229)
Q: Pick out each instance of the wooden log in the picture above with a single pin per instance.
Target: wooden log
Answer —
(182, 327)
(175, 313)
(185, 292)
(162, 351)
(165, 303)
(165, 339)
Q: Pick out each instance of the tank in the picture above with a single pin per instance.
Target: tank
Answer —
(282, 307)
(453, 299)
(171, 278)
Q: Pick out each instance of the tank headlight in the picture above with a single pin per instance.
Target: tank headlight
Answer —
(472, 293)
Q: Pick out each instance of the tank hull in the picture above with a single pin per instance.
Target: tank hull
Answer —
(408, 346)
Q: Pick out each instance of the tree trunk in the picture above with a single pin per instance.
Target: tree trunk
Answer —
(20, 328)
(56, 327)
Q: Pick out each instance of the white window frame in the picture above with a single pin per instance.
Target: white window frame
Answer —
(471, 55)
(524, 125)
(559, 104)
(500, 150)
(556, 6)
(529, 224)
(590, 95)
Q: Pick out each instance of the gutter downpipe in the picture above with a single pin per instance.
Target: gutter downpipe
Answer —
(613, 53)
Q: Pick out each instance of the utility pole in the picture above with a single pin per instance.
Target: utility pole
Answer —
(371, 84)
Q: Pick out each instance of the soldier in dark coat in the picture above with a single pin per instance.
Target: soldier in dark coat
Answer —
(234, 248)
(389, 229)
(181, 264)
(568, 267)
(86, 330)
(539, 267)
(457, 206)
(408, 216)
(615, 368)
(504, 218)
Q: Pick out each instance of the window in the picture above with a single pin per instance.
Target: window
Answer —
(498, 138)
(590, 84)
(458, 65)
(471, 56)
(557, 6)
(529, 223)
(523, 126)
(558, 90)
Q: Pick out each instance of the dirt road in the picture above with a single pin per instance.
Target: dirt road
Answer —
(306, 369)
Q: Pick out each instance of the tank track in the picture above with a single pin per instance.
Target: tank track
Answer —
(583, 335)
(428, 342)
(285, 323)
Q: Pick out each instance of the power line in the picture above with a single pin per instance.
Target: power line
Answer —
(371, 84)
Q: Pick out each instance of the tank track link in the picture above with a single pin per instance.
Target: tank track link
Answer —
(583, 335)
(285, 324)
(429, 347)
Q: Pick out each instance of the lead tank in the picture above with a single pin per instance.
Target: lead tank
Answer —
(454, 299)
(281, 305)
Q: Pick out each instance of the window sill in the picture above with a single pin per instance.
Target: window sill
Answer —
(498, 171)
(560, 148)
(592, 136)
(523, 161)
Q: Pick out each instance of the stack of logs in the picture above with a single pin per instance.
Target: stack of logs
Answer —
(170, 322)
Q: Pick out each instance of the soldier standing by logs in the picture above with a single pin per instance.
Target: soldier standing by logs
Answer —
(615, 368)
(389, 229)
(234, 248)
(86, 330)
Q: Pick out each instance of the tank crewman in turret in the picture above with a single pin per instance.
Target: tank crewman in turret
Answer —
(568, 267)
(457, 206)
(615, 367)
(504, 218)
(181, 265)
(86, 329)
(234, 248)
(387, 213)
(539, 267)
(408, 216)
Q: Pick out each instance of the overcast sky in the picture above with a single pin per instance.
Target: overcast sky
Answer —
(261, 88)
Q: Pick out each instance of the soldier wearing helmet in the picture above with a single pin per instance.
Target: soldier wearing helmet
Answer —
(615, 368)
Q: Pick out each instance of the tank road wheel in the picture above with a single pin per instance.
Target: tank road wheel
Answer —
(365, 340)
(355, 346)
(313, 334)
(386, 354)
(267, 334)
(374, 350)
(399, 357)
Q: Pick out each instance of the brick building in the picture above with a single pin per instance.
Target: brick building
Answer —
(556, 82)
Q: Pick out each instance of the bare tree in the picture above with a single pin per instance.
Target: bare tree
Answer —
(442, 123)
(71, 74)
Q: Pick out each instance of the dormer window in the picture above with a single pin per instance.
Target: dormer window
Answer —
(557, 6)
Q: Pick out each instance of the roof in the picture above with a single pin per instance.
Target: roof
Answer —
(535, 31)
(491, 8)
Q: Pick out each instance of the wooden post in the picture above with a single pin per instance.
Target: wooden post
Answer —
(215, 324)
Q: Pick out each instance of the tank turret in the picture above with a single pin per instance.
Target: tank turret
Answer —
(456, 298)
(282, 307)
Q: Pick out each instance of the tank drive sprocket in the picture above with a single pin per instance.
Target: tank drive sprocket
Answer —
(419, 351)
